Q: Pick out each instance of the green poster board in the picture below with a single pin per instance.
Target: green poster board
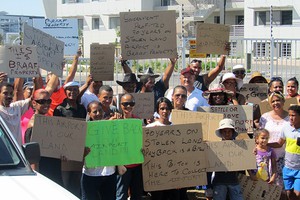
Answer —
(114, 142)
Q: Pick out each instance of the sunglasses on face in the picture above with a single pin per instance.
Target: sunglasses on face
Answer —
(180, 95)
(43, 101)
(125, 104)
(241, 72)
(196, 61)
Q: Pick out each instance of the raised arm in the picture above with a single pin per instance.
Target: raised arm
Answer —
(18, 89)
(52, 84)
(125, 67)
(215, 72)
(168, 72)
(73, 68)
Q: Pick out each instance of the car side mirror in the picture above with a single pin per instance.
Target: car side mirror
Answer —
(32, 152)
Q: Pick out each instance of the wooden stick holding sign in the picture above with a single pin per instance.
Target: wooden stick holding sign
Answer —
(174, 157)
(102, 62)
(148, 34)
(212, 38)
(20, 61)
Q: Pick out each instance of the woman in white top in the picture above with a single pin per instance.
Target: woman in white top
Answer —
(99, 182)
(273, 121)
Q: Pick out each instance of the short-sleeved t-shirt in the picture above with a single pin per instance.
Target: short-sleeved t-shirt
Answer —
(263, 163)
(292, 150)
(57, 98)
(200, 83)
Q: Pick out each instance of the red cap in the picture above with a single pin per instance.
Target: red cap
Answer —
(186, 70)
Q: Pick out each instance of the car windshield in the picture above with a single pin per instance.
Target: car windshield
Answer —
(9, 156)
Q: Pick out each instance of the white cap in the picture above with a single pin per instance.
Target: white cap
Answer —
(238, 67)
(226, 123)
(230, 75)
(72, 83)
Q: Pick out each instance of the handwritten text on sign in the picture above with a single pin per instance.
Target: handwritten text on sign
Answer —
(148, 34)
(117, 142)
(50, 51)
(102, 62)
(211, 38)
(241, 115)
(174, 157)
(258, 190)
(65, 30)
(227, 155)
(59, 136)
(255, 92)
(20, 61)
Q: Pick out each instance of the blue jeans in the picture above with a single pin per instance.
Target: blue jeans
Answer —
(98, 187)
(132, 180)
(234, 191)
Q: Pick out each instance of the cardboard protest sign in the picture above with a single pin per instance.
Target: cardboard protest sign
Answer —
(65, 30)
(102, 60)
(174, 157)
(211, 38)
(59, 136)
(209, 121)
(50, 51)
(115, 142)
(258, 190)
(241, 115)
(255, 92)
(148, 34)
(19, 61)
(227, 155)
(265, 106)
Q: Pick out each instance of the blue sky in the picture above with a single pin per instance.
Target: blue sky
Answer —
(23, 7)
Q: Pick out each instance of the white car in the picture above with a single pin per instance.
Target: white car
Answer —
(17, 179)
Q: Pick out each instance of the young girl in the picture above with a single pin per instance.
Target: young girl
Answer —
(265, 158)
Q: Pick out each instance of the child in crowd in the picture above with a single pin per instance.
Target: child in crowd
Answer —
(226, 182)
(265, 158)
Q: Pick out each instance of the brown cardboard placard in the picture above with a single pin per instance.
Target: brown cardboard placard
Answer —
(254, 92)
(227, 155)
(241, 115)
(258, 190)
(265, 106)
(209, 121)
(50, 51)
(102, 61)
(20, 61)
(148, 34)
(212, 38)
(144, 105)
(174, 157)
(60, 136)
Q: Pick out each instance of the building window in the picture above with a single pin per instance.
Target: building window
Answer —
(233, 48)
(217, 19)
(239, 20)
(114, 22)
(97, 23)
(278, 17)
(259, 49)
(80, 24)
(285, 50)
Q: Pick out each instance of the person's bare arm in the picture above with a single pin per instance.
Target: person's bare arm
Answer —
(215, 72)
(85, 86)
(73, 68)
(52, 84)
(168, 72)
(277, 144)
(18, 89)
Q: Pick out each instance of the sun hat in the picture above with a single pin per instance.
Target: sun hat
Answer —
(226, 123)
(256, 76)
(230, 75)
(216, 88)
(28, 84)
(149, 72)
(72, 83)
(237, 68)
(128, 78)
(186, 70)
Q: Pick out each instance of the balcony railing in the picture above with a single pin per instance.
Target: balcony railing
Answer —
(237, 30)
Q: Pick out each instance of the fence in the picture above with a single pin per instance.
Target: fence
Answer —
(254, 54)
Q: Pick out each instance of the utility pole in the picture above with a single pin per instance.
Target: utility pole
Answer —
(182, 37)
(271, 47)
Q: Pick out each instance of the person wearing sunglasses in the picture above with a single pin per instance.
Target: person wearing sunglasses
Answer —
(202, 81)
(234, 84)
(49, 167)
(274, 121)
(132, 179)
(239, 71)
(292, 87)
(179, 97)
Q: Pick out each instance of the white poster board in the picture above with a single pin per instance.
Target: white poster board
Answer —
(50, 51)
(19, 61)
(65, 30)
